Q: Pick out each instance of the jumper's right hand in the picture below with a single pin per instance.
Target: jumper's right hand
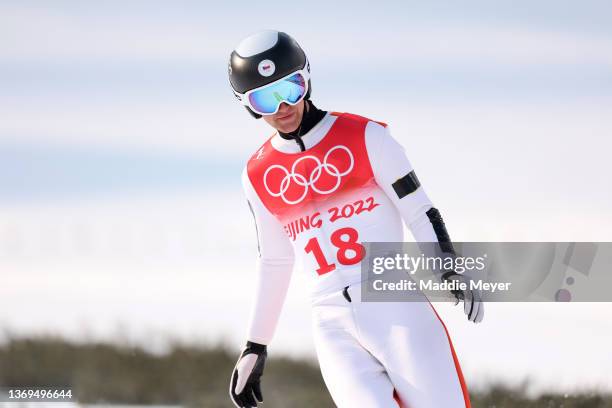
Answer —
(245, 386)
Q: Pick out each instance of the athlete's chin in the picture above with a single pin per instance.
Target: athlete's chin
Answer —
(287, 125)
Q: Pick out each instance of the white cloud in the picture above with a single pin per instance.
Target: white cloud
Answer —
(41, 35)
(454, 45)
(33, 34)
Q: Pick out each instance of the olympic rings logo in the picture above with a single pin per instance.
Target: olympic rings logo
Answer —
(309, 182)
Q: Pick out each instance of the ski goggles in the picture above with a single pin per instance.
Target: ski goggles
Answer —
(266, 99)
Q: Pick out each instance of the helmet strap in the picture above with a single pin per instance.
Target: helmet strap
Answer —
(253, 114)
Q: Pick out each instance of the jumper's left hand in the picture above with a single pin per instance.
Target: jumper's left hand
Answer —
(471, 298)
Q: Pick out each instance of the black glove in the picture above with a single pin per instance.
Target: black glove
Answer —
(472, 302)
(245, 388)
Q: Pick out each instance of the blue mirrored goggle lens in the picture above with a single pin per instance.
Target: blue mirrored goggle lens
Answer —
(266, 100)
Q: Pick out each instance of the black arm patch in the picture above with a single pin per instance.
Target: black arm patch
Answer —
(406, 185)
(440, 229)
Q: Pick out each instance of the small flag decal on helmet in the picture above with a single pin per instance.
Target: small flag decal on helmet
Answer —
(266, 68)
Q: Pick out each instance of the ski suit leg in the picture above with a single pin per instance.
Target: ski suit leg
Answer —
(370, 350)
(412, 343)
(352, 375)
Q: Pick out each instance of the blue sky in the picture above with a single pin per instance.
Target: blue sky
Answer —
(150, 76)
(121, 147)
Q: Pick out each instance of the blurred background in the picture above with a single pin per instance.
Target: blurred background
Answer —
(122, 219)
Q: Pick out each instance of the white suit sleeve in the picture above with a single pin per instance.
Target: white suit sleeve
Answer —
(274, 266)
(395, 175)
